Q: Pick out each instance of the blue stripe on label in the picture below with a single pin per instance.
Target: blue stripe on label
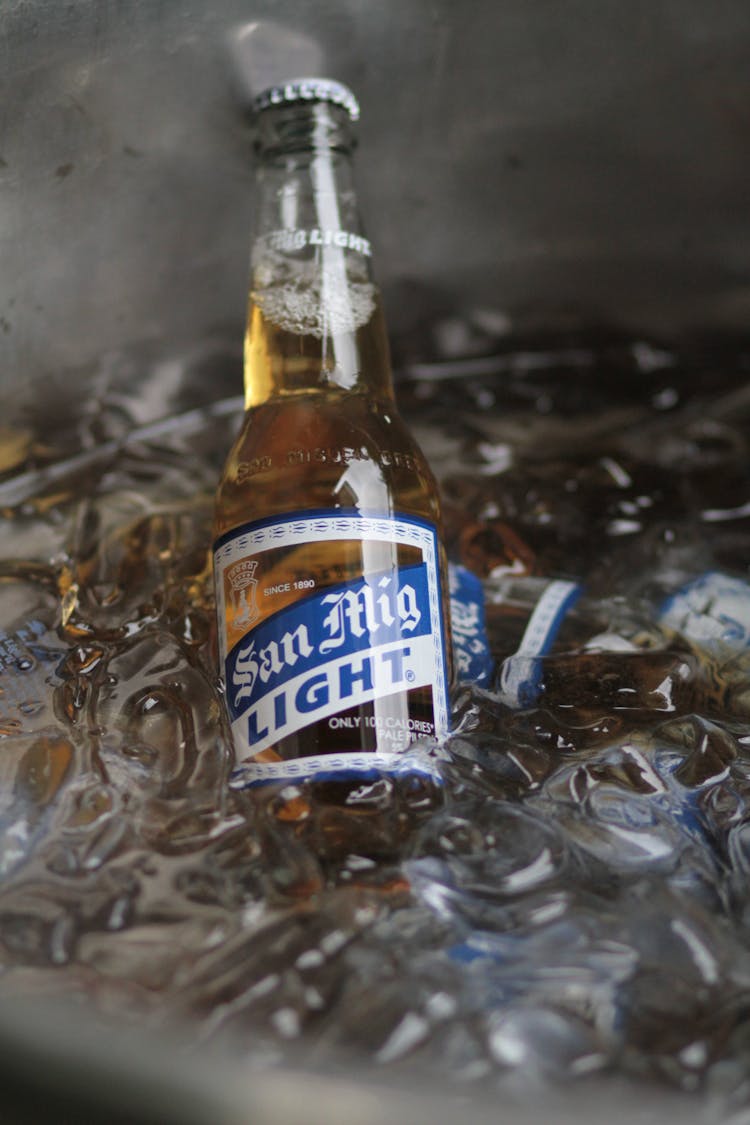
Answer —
(339, 621)
(521, 678)
(337, 766)
(363, 515)
(471, 648)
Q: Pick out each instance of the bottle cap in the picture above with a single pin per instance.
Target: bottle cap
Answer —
(308, 90)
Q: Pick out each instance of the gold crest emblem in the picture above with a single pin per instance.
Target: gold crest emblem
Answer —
(242, 587)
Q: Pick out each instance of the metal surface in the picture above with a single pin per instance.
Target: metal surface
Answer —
(55, 1067)
(572, 163)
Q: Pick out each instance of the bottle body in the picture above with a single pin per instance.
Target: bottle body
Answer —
(329, 588)
(585, 656)
(330, 573)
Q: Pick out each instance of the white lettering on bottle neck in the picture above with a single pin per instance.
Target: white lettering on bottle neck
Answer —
(290, 240)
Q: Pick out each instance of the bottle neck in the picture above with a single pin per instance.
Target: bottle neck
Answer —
(314, 318)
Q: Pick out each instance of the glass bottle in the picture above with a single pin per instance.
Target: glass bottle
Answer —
(561, 648)
(330, 573)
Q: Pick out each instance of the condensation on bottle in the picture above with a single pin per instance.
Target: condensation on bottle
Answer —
(331, 590)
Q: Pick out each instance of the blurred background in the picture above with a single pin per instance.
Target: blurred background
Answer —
(579, 165)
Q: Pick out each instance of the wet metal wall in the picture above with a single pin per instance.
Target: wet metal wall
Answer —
(555, 163)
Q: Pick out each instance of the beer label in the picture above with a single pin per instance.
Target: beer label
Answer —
(521, 675)
(713, 610)
(471, 648)
(300, 649)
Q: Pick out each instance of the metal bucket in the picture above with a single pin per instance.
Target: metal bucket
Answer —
(553, 170)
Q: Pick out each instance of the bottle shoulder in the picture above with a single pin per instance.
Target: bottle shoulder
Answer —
(325, 450)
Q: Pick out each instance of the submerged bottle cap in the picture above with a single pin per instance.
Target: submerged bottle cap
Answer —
(308, 90)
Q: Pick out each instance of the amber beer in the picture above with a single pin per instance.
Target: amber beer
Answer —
(330, 573)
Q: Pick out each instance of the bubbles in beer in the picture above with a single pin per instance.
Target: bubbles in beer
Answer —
(310, 298)
(317, 308)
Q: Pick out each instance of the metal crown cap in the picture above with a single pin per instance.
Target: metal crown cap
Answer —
(308, 90)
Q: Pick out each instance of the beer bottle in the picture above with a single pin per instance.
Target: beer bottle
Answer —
(329, 568)
(585, 656)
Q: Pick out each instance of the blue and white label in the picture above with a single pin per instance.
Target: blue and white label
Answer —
(294, 658)
(471, 648)
(713, 611)
(520, 679)
(329, 652)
